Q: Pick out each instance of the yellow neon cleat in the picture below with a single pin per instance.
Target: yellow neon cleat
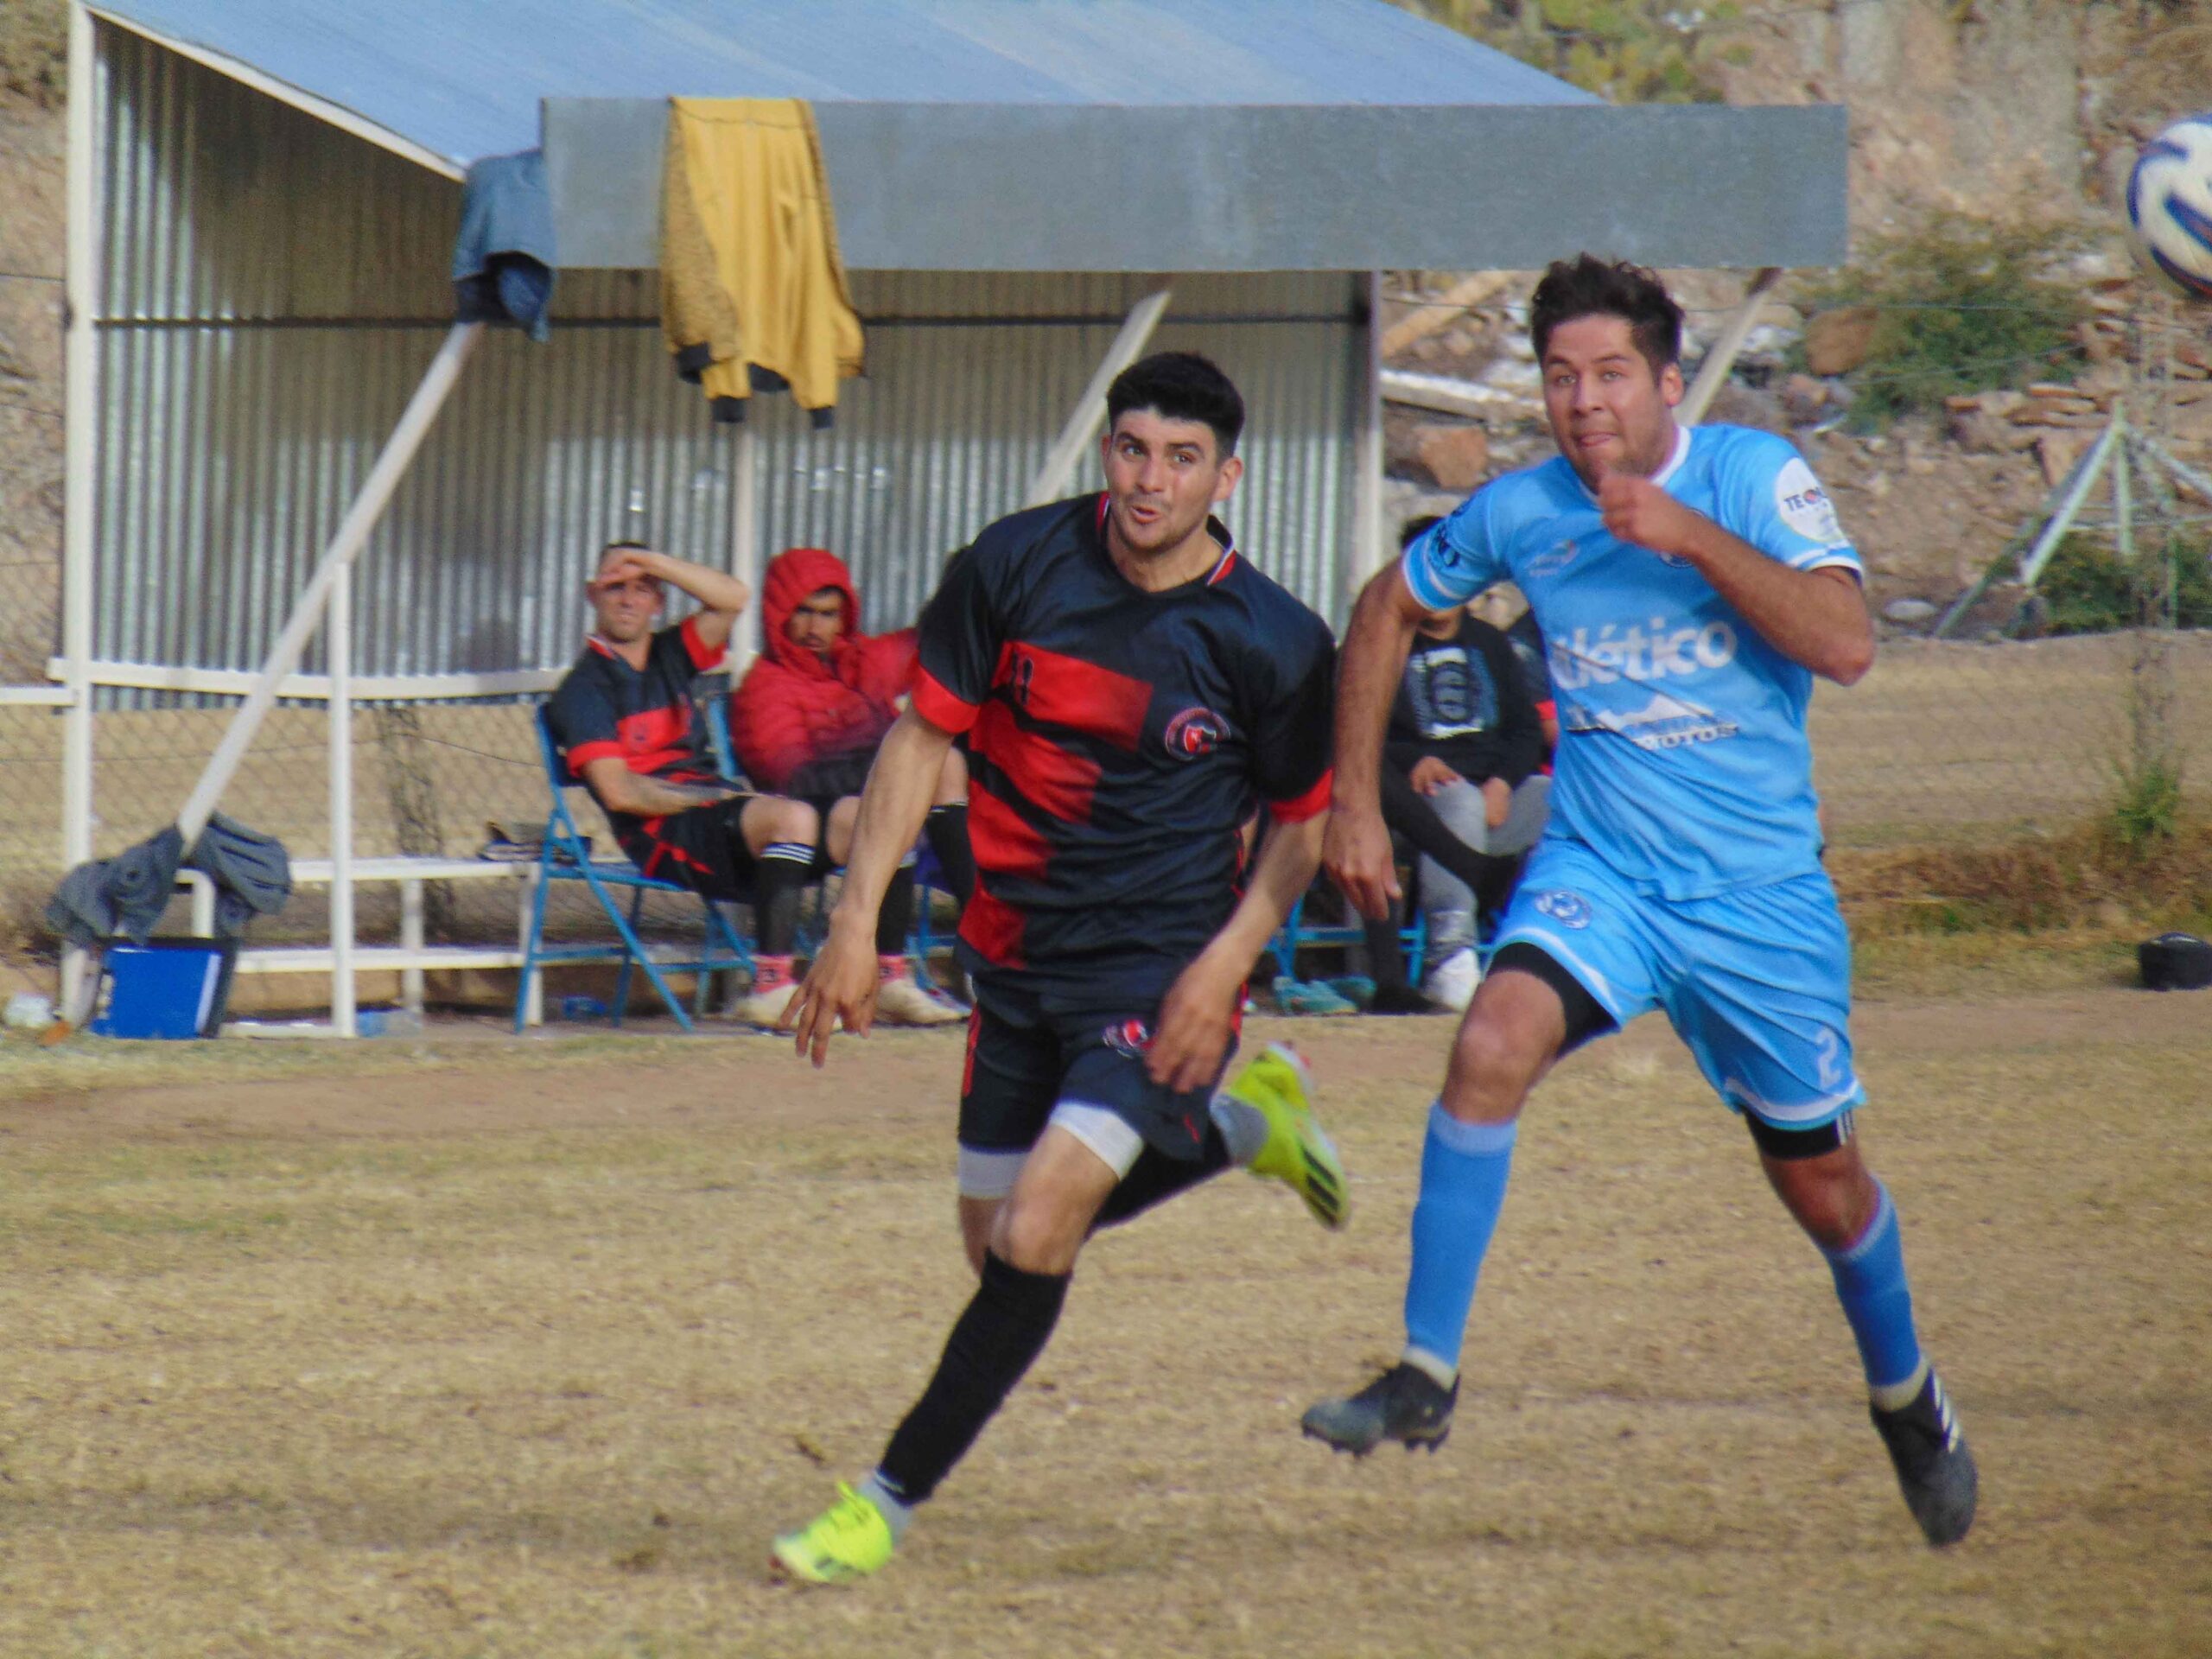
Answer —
(849, 1540)
(1297, 1154)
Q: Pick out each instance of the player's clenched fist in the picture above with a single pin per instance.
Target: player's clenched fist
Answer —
(1638, 510)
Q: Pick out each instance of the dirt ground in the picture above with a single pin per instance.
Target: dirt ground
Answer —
(487, 1347)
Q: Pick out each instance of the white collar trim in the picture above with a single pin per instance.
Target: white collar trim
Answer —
(1681, 453)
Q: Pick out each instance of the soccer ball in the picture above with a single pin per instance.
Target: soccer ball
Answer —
(2170, 205)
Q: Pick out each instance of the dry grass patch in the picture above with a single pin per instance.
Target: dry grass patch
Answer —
(489, 1359)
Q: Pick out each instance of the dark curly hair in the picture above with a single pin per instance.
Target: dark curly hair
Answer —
(1585, 287)
(1182, 386)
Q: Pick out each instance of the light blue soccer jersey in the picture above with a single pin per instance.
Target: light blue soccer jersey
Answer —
(1683, 762)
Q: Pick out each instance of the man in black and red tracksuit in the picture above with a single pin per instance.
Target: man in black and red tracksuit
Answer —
(624, 721)
(1134, 692)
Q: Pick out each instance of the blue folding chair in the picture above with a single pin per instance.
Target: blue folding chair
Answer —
(1296, 933)
(567, 857)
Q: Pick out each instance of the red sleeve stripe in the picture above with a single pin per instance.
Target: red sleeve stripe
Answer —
(703, 656)
(584, 753)
(939, 706)
(1314, 800)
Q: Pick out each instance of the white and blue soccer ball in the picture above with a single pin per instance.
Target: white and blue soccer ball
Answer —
(2170, 205)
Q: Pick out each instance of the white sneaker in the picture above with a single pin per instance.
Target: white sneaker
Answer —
(902, 1001)
(1451, 984)
(763, 1009)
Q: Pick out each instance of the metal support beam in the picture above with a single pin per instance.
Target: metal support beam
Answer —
(2077, 493)
(1713, 372)
(745, 544)
(1090, 412)
(338, 646)
(353, 534)
(1365, 556)
(80, 459)
(2073, 488)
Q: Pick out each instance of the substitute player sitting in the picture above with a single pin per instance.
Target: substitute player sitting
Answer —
(805, 721)
(1690, 582)
(1133, 691)
(624, 719)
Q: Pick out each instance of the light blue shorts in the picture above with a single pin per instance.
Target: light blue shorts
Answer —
(1756, 982)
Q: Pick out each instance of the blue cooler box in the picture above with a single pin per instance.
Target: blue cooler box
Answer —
(166, 988)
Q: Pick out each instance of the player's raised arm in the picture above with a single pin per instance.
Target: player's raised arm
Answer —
(723, 597)
(1357, 848)
(841, 982)
(1815, 618)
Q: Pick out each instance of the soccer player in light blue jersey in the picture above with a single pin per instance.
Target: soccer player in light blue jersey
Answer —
(1690, 582)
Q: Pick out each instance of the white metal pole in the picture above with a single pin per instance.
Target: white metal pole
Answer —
(745, 543)
(360, 519)
(1089, 411)
(2078, 492)
(1713, 372)
(410, 941)
(80, 441)
(338, 646)
(1367, 458)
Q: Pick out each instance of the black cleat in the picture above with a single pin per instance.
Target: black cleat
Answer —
(1934, 1469)
(1404, 1404)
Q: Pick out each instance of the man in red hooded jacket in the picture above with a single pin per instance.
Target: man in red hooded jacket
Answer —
(806, 721)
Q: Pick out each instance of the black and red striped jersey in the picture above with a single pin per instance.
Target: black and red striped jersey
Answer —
(606, 709)
(1119, 741)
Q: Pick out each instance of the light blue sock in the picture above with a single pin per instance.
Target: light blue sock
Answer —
(1462, 1171)
(1871, 1284)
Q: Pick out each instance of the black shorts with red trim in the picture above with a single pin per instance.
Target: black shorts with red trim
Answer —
(1028, 1054)
(703, 849)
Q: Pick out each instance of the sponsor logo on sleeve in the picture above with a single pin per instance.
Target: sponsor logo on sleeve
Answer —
(1804, 505)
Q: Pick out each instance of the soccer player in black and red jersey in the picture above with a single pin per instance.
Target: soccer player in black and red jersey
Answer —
(624, 719)
(1133, 691)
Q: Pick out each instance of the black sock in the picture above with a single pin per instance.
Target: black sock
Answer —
(1407, 810)
(1385, 956)
(995, 1340)
(896, 919)
(947, 830)
(780, 875)
(1155, 1178)
(1499, 882)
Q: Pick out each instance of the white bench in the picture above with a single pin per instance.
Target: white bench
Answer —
(411, 957)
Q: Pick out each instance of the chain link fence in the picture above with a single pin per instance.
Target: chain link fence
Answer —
(1976, 737)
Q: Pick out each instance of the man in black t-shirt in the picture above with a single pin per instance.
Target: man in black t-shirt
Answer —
(1133, 691)
(1465, 735)
(626, 724)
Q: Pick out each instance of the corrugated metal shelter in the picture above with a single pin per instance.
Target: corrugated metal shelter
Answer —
(264, 199)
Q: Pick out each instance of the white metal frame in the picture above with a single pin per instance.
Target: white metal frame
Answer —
(299, 687)
(1089, 414)
(1365, 554)
(81, 456)
(336, 115)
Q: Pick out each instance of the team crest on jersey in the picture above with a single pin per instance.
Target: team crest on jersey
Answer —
(1550, 565)
(1193, 732)
(1567, 909)
(1129, 1038)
